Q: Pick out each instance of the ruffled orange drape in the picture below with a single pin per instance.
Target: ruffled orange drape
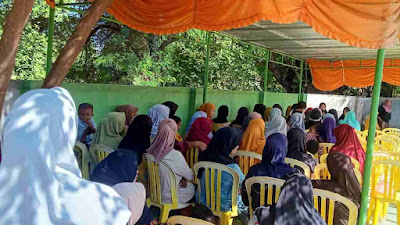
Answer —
(349, 73)
(361, 23)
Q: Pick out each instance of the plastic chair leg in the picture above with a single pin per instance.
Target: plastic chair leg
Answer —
(377, 212)
(226, 219)
(385, 210)
(164, 213)
(398, 212)
(370, 209)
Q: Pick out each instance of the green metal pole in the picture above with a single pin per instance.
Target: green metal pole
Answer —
(50, 39)
(371, 136)
(266, 70)
(205, 82)
(300, 97)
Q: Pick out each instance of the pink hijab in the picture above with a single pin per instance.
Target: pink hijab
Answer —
(386, 106)
(165, 139)
(255, 115)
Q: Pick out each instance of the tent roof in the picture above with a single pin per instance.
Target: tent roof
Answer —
(301, 41)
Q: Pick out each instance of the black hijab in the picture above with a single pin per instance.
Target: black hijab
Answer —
(335, 114)
(297, 148)
(223, 112)
(118, 167)
(138, 136)
(246, 122)
(260, 108)
(172, 108)
(242, 113)
(295, 205)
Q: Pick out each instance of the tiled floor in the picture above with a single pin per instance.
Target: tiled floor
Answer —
(391, 218)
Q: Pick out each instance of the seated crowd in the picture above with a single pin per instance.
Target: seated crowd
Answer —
(42, 172)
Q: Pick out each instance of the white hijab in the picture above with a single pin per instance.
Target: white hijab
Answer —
(276, 125)
(40, 181)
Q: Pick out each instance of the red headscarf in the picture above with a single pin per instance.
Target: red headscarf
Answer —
(200, 130)
(347, 142)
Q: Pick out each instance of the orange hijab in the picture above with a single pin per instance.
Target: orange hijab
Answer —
(253, 138)
(207, 108)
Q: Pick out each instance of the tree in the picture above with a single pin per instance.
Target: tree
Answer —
(11, 35)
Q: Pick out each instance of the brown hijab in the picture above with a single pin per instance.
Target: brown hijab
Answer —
(129, 110)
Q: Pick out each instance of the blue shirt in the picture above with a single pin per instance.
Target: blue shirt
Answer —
(81, 128)
(226, 188)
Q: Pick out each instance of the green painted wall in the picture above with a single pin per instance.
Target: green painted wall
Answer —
(105, 97)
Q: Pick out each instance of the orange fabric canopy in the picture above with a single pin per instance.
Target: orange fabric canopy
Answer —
(348, 72)
(362, 23)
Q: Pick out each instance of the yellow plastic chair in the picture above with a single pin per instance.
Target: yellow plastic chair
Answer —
(321, 172)
(324, 200)
(273, 190)
(362, 135)
(184, 220)
(213, 196)
(326, 148)
(355, 162)
(192, 157)
(389, 144)
(153, 174)
(246, 160)
(294, 162)
(83, 152)
(308, 130)
(385, 189)
(391, 130)
(380, 155)
(100, 151)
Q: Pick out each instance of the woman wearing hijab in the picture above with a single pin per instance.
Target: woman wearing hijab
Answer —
(335, 114)
(295, 205)
(253, 139)
(198, 114)
(327, 129)
(40, 181)
(297, 148)
(343, 181)
(288, 110)
(173, 107)
(272, 165)
(259, 108)
(200, 130)
(351, 120)
(276, 125)
(162, 149)
(221, 120)
(315, 118)
(385, 113)
(109, 131)
(275, 112)
(209, 109)
(130, 112)
(242, 113)
(157, 114)
(345, 111)
(348, 143)
(267, 114)
(224, 144)
(297, 121)
(138, 136)
(118, 170)
(322, 107)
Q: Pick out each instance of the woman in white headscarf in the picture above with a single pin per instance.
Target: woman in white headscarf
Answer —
(297, 121)
(40, 181)
(157, 114)
(276, 125)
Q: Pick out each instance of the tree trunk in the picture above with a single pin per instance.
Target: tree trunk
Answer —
(12, 30)
(75, 44)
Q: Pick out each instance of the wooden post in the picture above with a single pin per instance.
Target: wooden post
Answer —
(12, 30)
(75, 44)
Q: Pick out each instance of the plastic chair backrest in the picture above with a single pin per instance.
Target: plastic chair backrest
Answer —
(380, 155)
(153, 174)
(355, 162)
(294, 162)
(246, 160)
(184, 220)
(192, 157)
(389, 144)
(273, 189)
(391, 130)
(326, 148)
(386, 172)
(82, 149)
(213, 196)
(321, 172)
(101, 151)
(362, 135)
(324, 200)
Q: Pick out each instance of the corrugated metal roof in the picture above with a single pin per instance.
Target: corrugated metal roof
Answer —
(301, 41)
